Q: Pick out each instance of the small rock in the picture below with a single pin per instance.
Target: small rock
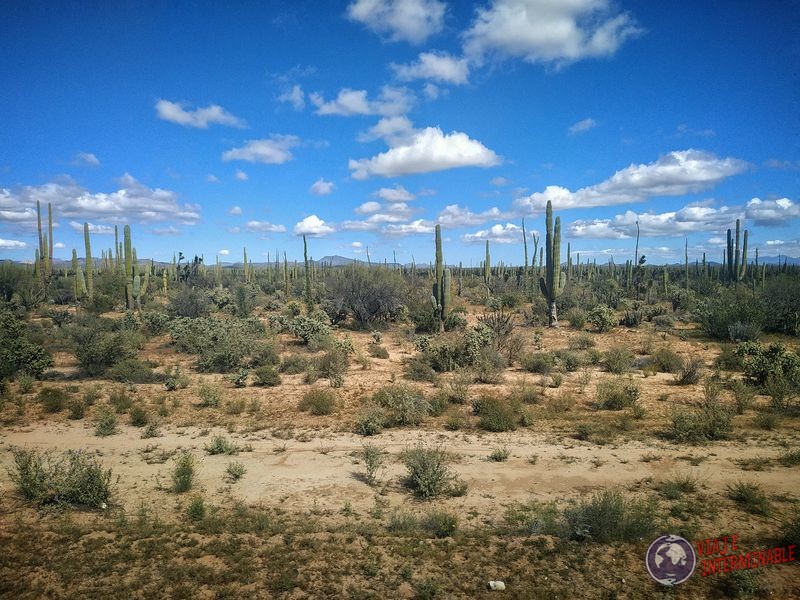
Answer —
(497, 586)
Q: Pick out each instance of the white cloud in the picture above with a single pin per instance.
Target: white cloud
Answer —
(234, 230)
(59, 245)
(265, 227)
(453, 216)
(415, 227)
(501, 234)
(85, 159)
(313, 226)
(212, 179)
(413, 21)
(431, 91)
(133, 202)
(295, 97)
(788, 165)
(235, 210)
(582, 126)
(93, 228)
(357, 245)
(392, 130)
(167, 231)
(396, 194)
(368, 207)
(224, 252)
(548, 31)
(684, 129)
(274, 150)
(321, 187)
(12, 244)
(240, 175)
(392, 101)
(200, 117)
(772, 213)
(775, 242)
(428, 151)
(673, 174)
(437, 66)
(499, 181)
(689, 219)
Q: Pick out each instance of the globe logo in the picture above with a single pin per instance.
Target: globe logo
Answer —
(670, 560)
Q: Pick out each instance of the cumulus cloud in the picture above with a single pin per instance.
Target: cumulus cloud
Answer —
(582, 126)
(265, 227)
(499, 181)
(313, 226)
(380, 215)
(175, 112)
(548, 31)
(85, 159)
(321, 187)
(392, 101)
(59, 245)
(436, 66)
(772, 213)
(12, 244)
(294, 96)
(673, 174)
(235, 210)
(428, 151)
(454, 215)
(414, 227)
(167, 231)
(368, 207)
(500, 234)
(93, 228)
(787, 165)
(396, 194)
(689, 219)
(392, 130)
(132, 202)
(274, 150)
(240, 175)
(224, 252)
(412, 21)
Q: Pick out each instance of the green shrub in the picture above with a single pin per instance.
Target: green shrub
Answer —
(404, 405)
(77, 409)
(210, 396)
(749, 496)
(155, 322)
(17, 352)
(678, 486)
(631, 318)
(219, 444)
(541, 362)
(743, 395)
(71, 478)
(790, 529)
(139, 416)
(183, 474)
(189, 302)
(708, 422)
(719, 311)
(576, 318)
(97, 350)
(196, 511)
(132, 370)
(25, 383)
(105, 423)
(318, 402)
(603, 318)
(760, 363)
(496, 414)
(617, 394)
(293, 364)
(665, 360)
(333, 366)
(377, 351)
(457, 388)
(373, 458)
(53, 400)
(569, 361)
(428, 473)
(618, 360)
(120, 400)
(690, 371)
(371, 421)
(234, 472)
(608, 517)
(489, 366)
(267, 376)
(440, 524)
(174, 379)
(743, 332)
(582, 341)
(418, 370)
(500, 454)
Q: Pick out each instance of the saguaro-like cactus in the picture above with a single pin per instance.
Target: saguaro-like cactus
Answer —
(440, 299)
(307, 272)
(129, 302)
(88, 263)
(487, 266)
(737, 260)
(552, 283)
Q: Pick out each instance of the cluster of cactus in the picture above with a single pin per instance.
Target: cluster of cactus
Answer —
(43, 264)
(552, 283)
(736, 259)
(441, 299)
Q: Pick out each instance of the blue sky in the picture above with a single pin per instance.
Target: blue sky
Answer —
(364, 123)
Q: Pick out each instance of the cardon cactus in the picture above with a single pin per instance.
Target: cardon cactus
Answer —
(440, 299)
(552, 283)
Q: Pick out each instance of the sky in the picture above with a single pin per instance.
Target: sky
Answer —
(211, 127)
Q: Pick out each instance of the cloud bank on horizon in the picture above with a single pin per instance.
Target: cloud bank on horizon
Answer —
(383, 118)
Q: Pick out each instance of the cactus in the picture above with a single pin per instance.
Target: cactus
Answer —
(49, 239)
(88, 263)
(307, 272)
(552, 284)
(736, 259)
(164, 288)
(686, 261)
(487, 266)
(525, 247)
(440, 299)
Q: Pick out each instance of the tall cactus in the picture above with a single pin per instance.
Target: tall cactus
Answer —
(737, 260)
(42, 256)
(307, 272)
(552, 284)
(129, 301)
(440, 299)
(50, 239)
(88, 263)
(525, 246)
(487, 266)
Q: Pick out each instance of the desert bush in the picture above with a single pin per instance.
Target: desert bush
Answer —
(664, 322)
(333, 366)
(743, 395)
(790, 528)
(539, 362)
(708, 422)
(132, 370)
(743, 332)
(678, 486)
(71, 478)
(665, 360)
(222, 345)
(98, 349)
(631, 318)
(489, 366)
(377, 351)
(210, 396)
(455, 321)
(189, 302)
(603, 318)
(309, 330)
(749, 496)
(369, 295)
(457, 388)
(234, 472)
(718, 312)
(440, 524)
(496, 414)
(760, 363)
(183, 474)
(582, 341)
(264, 353)
(576, 318)
(618, 360)
(267, 376)
(155, 322)
(728, 359)
(780, 301)
(18, 354)
(418, 370)
(293, 364)
(139, 416)
(373, 458)
(428, 473)
(318, 402)
(457, 350)
(690, 371)
(77, 409)
(53, 400)
(371, 421)
(617, 393)
(608, 517)
(239, 378)
(175, 379)
(221, 445)
(404, 405)
(120, 400)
